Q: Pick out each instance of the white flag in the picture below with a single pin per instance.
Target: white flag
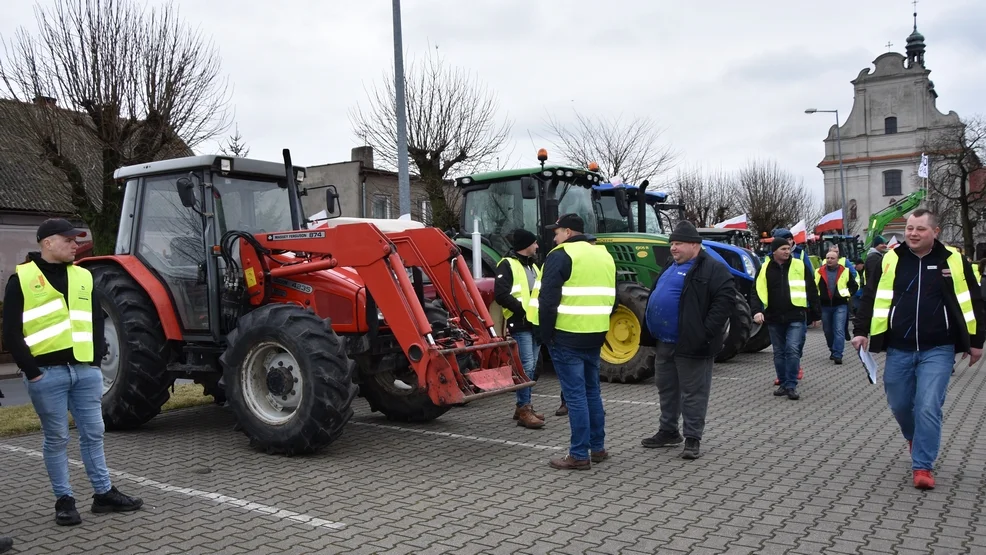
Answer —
(923, 168)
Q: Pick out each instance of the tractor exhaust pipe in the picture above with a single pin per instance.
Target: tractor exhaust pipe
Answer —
(477, 253)
(642, 207)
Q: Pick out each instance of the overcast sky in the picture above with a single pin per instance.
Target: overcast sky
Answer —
(729, 81)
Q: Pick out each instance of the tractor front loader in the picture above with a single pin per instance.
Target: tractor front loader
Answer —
(284, 325)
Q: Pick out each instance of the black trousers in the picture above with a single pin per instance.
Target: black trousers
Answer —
(683, 386)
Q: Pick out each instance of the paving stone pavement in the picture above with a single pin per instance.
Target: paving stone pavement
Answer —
(826, 474)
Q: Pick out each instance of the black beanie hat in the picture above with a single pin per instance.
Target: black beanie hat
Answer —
(685, 232)
(779, 242)
(520, 239)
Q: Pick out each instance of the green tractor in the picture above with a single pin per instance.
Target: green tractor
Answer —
(497, 202)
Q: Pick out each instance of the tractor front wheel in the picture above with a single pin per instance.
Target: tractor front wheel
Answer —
(624, 359)
(288, 380)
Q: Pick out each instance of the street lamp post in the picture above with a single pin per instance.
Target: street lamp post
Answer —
(403, 173)
(842, 173)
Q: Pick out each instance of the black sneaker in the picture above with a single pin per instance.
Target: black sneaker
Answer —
(65, 513)
(780, 391)
(792, 394)
(6, 544)
(837, 360)
(115, 502)
(691, 450)
(831, 357)
(662, 439)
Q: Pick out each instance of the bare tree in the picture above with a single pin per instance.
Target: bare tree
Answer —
(629, 149)
(452, 126)
(708, 198)
(112, 84)
(235, 146)
(772, 197)
(955, 183)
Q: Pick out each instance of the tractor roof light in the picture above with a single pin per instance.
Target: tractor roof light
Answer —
(299, 176)
(559, 173)
(593, 166)
(225, 165)
(569, 173)
(542, 155)
(466, 180)
(546, 173)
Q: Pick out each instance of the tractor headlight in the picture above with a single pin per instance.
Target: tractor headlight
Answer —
(751, 270)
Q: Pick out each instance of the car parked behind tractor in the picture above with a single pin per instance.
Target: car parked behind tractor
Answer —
(218, 277)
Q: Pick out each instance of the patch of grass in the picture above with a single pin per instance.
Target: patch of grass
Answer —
(22, 419)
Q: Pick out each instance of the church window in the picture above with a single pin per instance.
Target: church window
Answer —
(890, 125)
(891, 182)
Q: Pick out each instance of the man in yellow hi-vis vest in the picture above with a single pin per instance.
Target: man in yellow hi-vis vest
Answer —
(53, 327)
(922, 305)
(515, 289)
(576, 298)
(786, 301)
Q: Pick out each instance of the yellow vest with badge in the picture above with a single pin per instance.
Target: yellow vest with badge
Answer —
(520, 292)
(885, 292)
(795, 282)
(587, 298)
(49, 324)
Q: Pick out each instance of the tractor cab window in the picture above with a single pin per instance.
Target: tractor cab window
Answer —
(251, 206)
(170, 242)
(578, 200)
(500, 209)
(608, 216)
(653, 223)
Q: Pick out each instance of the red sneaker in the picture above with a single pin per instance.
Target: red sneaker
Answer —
(801, 372)
(923, 479)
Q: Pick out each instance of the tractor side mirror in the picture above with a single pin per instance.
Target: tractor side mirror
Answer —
(622, 205)
(333, 208)
(528, 189)
(186, 192)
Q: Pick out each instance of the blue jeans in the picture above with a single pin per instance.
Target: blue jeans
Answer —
(787, 341)
(77, 388)
(915, 382)
(529, 348)
(834, 326)
(578, 374)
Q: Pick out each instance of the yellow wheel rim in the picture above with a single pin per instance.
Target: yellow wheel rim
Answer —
(623, 337)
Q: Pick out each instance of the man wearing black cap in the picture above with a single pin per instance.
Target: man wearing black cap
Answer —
(517, 277)
(798, 253)
(786, 300)
(576, 299)
(687, 312)
(53, 326)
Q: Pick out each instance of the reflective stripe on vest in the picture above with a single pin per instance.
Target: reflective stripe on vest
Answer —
(587, 298)
(795, 282)
(885, 293)
(842, 285)
(519, 290)
(49, 325)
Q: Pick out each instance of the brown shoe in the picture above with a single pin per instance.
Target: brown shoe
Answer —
(598, 456)
(562, 410)
(568, 463)
(527, 419)
(537, 415)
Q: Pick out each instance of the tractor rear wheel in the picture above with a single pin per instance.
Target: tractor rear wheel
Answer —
(759, 341)
(391, 386)
(288, 380)
(624, 359)
(134, 366)
(737, 330)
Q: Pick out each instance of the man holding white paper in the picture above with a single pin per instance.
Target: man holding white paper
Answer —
(922, 305)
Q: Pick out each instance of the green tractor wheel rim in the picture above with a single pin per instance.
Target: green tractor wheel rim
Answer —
(623, 337)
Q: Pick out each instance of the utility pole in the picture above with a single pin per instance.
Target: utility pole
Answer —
(403, 175)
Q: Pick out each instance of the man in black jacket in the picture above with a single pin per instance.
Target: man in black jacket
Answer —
(922, 305)
(836, 285)
(786, 300)
(516, 275)
(53, 327)
(687, 312)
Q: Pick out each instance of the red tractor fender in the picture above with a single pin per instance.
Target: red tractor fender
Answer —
(150, 284)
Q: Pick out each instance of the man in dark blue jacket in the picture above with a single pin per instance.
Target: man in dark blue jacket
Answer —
(687, 312)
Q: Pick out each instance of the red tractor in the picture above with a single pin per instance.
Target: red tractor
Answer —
(217, 277)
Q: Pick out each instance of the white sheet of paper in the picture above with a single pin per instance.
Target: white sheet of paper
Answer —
(869, 364)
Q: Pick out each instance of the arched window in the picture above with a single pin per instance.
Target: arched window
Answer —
(890, 125)
(891, 182)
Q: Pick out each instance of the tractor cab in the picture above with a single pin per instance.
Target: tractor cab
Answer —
(849, 246)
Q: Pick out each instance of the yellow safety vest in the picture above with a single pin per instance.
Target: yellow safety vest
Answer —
(795, 282)
(975, 267)
(885, 293)
(842, 285)
(519, 290)
(587, 298)
(50, 325)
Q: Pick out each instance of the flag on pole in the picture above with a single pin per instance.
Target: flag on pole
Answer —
(739, 222)
(892, 242)
(799, 233)
(923, 168)
(830, 222)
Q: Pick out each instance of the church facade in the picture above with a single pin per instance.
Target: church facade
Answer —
(894, 115)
